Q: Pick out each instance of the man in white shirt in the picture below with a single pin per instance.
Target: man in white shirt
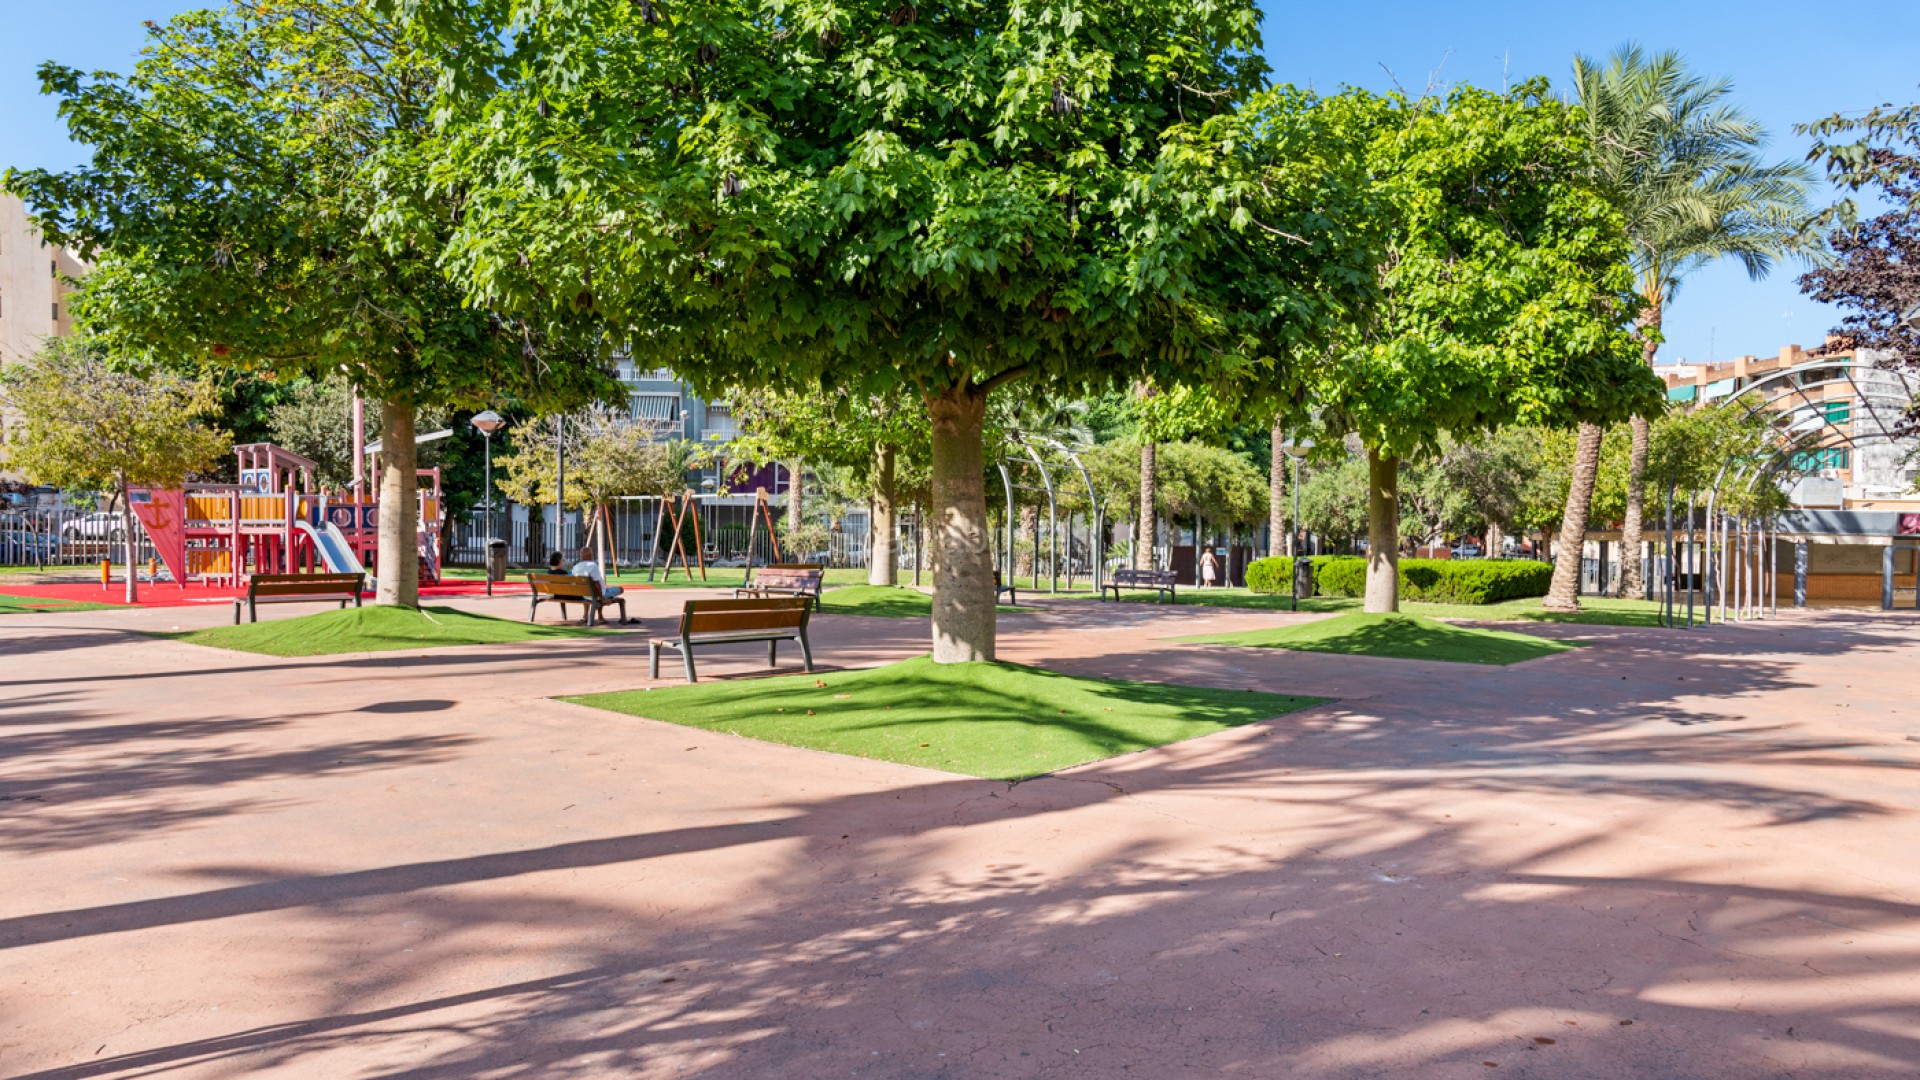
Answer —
(587, 568)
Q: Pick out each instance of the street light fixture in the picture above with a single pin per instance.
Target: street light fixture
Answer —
(486, 424)
(1296, 449)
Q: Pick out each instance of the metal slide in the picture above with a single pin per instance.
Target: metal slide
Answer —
(331, 543)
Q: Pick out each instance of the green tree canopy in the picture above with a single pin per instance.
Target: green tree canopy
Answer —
(939, 201)
(86, 423)
(257, 197)
(1504, 291)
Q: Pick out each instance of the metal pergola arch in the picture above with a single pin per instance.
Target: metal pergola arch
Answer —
(1753, 542)
(1030, 445)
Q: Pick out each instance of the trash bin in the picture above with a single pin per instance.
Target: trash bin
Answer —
(1302, 579)
(496, 560)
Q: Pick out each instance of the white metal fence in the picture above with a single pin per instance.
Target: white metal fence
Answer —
(70, 536)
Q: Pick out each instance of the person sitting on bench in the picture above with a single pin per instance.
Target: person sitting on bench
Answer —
(587, 568)
(556, 563)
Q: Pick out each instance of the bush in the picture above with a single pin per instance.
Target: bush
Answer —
(1439, 581)
(1274, 575)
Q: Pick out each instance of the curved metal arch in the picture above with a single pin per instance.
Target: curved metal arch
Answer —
(1791, 422)
(1032, 445)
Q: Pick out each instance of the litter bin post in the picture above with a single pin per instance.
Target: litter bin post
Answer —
(1302, 580)
(496, 563)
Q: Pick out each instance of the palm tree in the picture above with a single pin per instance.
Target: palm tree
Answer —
(1685, 166)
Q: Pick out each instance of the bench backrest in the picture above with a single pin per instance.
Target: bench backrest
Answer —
(1143, 577)
(564, 586)
(789, 577)
(725, 616)
(819, 568)
(260, 585)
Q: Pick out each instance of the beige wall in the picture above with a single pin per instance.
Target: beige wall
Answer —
(31, 285)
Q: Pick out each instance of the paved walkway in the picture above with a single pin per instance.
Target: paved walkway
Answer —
(1667, 854)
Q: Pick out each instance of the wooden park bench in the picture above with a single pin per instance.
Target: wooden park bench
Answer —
(564, 589)
(771, 619)
(1011, 592)
(297, 589)
(785, 579)
(1158, 581)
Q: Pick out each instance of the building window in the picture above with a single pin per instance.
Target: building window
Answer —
(1829, 458)
(656, 408)
(719, 424)
(56, 311)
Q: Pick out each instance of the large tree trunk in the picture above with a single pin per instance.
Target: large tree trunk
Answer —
(1383, 533)
(795, 470)
(963, 601)
(1564, 593)
(1277, 496)
(882, 564)
(1027, 557)
(1149, 484)
(397, 563)
(1632, 526)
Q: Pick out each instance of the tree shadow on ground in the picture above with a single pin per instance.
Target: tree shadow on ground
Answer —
(1393, 923)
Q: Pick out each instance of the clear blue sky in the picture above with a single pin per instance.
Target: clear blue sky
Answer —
(1789, 63)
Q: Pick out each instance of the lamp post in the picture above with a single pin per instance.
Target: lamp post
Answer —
(486, 424)
(1295, 450)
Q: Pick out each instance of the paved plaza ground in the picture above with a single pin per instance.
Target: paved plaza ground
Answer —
(1665, 854)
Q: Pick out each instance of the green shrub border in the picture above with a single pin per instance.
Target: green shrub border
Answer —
(1440, 581)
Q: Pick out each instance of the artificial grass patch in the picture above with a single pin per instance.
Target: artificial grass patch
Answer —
(17, 605)
(1407, 637)
(887, 601)
(375, 629)
(992, 720)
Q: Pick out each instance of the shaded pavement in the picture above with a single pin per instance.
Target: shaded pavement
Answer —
(1662, 854)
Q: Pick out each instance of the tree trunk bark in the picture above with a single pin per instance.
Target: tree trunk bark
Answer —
(1564, 593)
(1632, 525)
(1383, 533)
(127, 542)
(1633, 522)
(963, 601)
(882, 563)
(1277, 494)
(1149, 485)
(397, 562)
(795, 470)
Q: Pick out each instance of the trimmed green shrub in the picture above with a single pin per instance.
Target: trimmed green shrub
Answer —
(1440, 581)
(1274, 575)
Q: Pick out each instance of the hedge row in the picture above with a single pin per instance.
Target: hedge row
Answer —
(1440, 581)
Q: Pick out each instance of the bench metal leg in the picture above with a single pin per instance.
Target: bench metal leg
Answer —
(533, 610)
(806, 649)
(773, 652)
(686, 653)
(653, 659)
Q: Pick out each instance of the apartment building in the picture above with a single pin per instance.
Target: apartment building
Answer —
(1842, 399)
(1853, 534)
(35, 280)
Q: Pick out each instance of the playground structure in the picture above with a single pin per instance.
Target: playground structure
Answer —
(275, 521)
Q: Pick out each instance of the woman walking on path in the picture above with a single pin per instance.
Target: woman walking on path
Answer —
(1209, 568)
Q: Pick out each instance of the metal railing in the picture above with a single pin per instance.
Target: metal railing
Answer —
(69, 536)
